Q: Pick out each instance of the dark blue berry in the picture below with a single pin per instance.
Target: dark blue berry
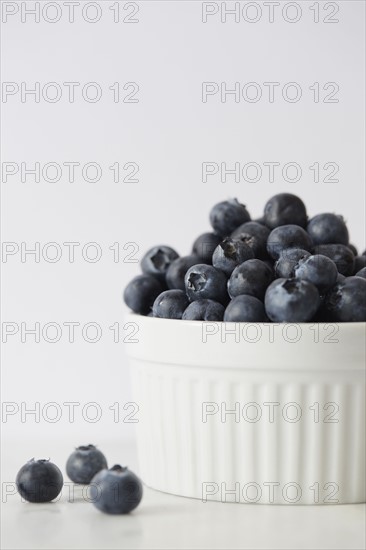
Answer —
(116, 491)
(341, 255)
(319, 270)
(170, 304)
(177, 270)
(285, 209)
(226, 216)
(84, 463)
(291, 301)
(206, 282)
(246, 309)
(230, 253)
(254, 235)
(289, 258)
(39, 481)
(346, 301)
(141, 292)
(157, 260)
(360, 262)
(328, 229)
(251, 277)
(287, 236)
(353, 249)
(204, 246)
(361, 273)
(204, 310)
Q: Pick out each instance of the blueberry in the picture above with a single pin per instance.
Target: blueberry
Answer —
(204, 246)
(205, 281)
(360, 262)
(284, 267)
(285, 209)
(246, 309)
(39, 481)
(204, 310)
(319, 270)
(84, 463)
(341, 256)
(361, 273)
(251, 277)
(177, 270)
(291, 301)
(353, 249)
(328, 229)
(346, 301)
(170, 304)
(287, 236)
(141, 292)
(340, 278)
(227, 216)
(254, 235)
(230, 253)
(157, 260)
(116, 491)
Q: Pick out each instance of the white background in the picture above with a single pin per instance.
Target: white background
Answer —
(169, 133)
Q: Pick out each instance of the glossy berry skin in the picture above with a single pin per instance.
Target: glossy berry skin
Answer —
(204, 246)
(360, 262)
(254, 235)
(39, 481)
(319, 270)
(116, 491)
(361, 273)
(206, 282)
(245, 309)
(328, 229)
(230, 253)
(289, 258)
(346, 302)
(141, 292)
(157, 260)
(226, 216)
(341, 256)
(287, 236)
(291, 301)
(84, 463)
(251, 277)
(204, 310)
(177, 270)
(170, 304)
(285, 209)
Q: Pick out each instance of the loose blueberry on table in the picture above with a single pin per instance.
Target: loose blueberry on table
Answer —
(281, 267)
(39, 481)
(84, 463)
(116, 491)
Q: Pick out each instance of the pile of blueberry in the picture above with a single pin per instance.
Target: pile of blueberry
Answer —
(282, 267)
(114, 491)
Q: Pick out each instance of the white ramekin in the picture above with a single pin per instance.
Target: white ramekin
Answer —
(241, 412)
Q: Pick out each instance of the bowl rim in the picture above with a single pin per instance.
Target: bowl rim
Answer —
(149, 319)
(202, 344)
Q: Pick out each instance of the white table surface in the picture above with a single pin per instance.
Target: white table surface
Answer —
(166, 521)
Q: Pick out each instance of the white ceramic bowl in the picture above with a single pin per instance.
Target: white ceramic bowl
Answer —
(242, 412)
